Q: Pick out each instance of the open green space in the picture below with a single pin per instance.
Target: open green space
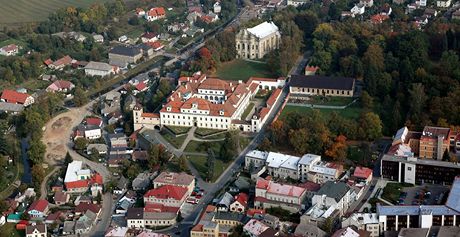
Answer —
(330, 100)
(9, 229)
(178, 130)
(199, 162)
(351, 112)
(175, 141)
(202, 147)
(356, 154)
(241, 70)
(247, 110)
(202, 132)
(12, 41)
(392, 191)
(25, 11)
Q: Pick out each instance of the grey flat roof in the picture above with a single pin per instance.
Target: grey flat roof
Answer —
(334, 190)
(10, 107)
(448, 164)
(453, 201)
(415, 210)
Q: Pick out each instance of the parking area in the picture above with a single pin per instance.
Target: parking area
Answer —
(423, 195)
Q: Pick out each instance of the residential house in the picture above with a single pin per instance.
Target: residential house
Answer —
(240, 204)
(84, 224)
(90, 132)
(224, 202)
(68, 228)
(167, 195)
(271, 220)
(378, 18)
(272, 194)
(256, 42)
(122, 55)
(99, 148)
(149, 37)
(98, 38)
(296, 3)
(100, 69)
(350, 231)
(152, 215)
(60, 63)
(386, 9)
(11, 108)
(358, 9)
(255, 228)
(364, 221)
(307, 229)
(146, 48)
(363, 174)
(302, 86)
(217, 7)
(367, 3)
(36, 230)
(333, 196)
(311, 70)
(443, 3)
(61, 198)
(83, 207)
(9, 50)
(60, 86)
(15, 97)
(38, 209)
(142, 181)
(139, 156)
(155, 13)
(175, 179)
(140, 12)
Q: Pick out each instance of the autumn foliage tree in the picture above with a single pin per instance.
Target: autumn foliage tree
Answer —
(338, 149)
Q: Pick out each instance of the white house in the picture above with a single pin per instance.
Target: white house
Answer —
(9, 50)
(100, 69)
(358, 9)
(36, 230)
(216, 7)
(155, 13)
(443, 4)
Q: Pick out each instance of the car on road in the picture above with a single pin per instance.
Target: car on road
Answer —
(192, 200)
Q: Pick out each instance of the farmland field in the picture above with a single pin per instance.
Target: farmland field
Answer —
(24, 11)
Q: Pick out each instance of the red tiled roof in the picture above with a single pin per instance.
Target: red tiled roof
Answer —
(77, 184)
(310, 186)
(94, 121)
(150, 115)
(242, 198)
(167, 192)
(149, 35)
(271, 100)
(252, 212)
(262, 183)
(14, 96)
(379, 18)
(83, 207)
(97, 179)
(60, 196)
(10, 47)
(362, 172)
(48, 62)
(158, 208)
(156, 11)
(62, 84)
(141, 86)
(38, 205)
(66, 60)
(311, 68)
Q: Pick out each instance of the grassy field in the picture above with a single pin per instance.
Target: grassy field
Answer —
(24, 11)
(201, 147)
(247, 110)
(175, 141)
(199, 162)
(352, 112)
(9, 230)
(242, 70)
(12, 41)
(331, 100)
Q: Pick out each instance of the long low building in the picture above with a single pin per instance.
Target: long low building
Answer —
(418, 171)
(308, 167)
(424, 216)
(272, 194)
(151, 216)
(302, 86)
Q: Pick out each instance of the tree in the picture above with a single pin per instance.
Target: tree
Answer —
(338, 150)
(418, 100)
(182, 164)
(79, 97)
(229, 147)
(38, 174)
(67, 159)
(98, 198)
(367, 101)
(370, 126)
(36, 151)
(80, 143)
(265, 145)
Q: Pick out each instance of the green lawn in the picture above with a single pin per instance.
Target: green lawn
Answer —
(199, 162)
(175, 141)
(35, 84)
(25, 11)
(202, 147)
(206, 131)
(392, 191)
(352, 112)
(247, 111)
(12, 41)
(178, 130)
(241, 70)
(9, 229)
(331, 100)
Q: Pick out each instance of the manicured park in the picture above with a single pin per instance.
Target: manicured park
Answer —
(242, 70)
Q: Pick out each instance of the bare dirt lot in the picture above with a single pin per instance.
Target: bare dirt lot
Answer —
(58, 132)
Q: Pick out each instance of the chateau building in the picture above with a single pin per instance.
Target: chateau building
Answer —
(212, 103)
(256, 42)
